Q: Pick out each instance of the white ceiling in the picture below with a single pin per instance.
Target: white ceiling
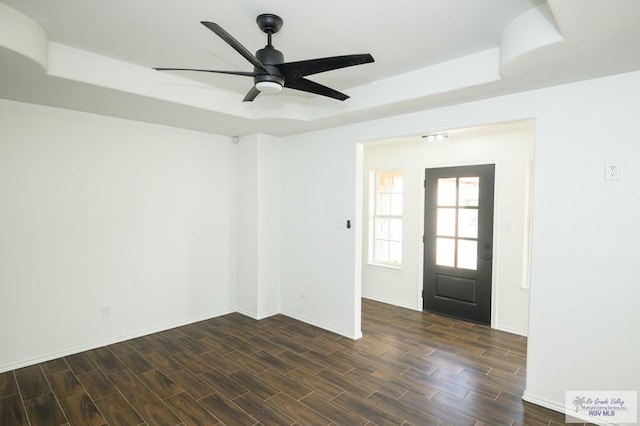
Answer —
(428, 53)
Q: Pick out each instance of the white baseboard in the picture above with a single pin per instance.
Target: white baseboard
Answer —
(511, 330)
(356, 336)
(560, 408)
(256, 316)
(268, 314)
(98, 344)
(543, 402)
(391, 302)
(247, 313)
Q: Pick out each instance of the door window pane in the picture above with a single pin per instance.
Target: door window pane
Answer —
(445, 252)
(447, 191)
(446, 222)
(468, 223)
(469, 191)
(467, 254)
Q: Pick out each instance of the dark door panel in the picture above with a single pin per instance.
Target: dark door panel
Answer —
(459, 241)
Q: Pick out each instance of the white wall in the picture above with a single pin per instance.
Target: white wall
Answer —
(584, 301)
(259, 226)
(319, 180)
(583, 308)
(510, 147)
(247, 227)
(270, 225)
(100, 211)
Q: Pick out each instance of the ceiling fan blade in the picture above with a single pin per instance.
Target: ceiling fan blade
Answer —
(296, 70)
(247, 74)
(251, 95)
(313, 87)
(231, 41)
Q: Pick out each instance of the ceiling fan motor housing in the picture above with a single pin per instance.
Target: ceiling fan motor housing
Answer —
(270, 57)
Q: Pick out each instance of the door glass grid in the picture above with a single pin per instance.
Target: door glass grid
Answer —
(457, 222)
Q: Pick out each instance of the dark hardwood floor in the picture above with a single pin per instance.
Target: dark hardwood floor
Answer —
(411, 368)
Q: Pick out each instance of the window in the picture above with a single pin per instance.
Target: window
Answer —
(385, 235)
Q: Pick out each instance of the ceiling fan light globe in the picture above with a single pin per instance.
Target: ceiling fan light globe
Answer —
(268, 87)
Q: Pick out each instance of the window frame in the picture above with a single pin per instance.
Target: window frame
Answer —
(374, 217)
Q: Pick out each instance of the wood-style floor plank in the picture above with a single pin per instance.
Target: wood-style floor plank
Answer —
(274, 363)
(81, 363)
(358, 389)
(327, 408)
(401, 409)
(193, 362)
(367, 409)
(298, 411)
(54, 366)
(223, 384)
(254, 383)
(44, 410)
(214, 359)
(144, 345)
(145, 402)
(65, 384)
(80, 410)
(97, 384)
(225, 410)
(309, 382)
(160, 384)
(410, 368)
(163, 362)
(117, 410)
(135, 362)
(12, 411)
(8, 385)
(32, 382)
(190, 411)
(191, 384)
(106, 360)
(284, 384)
(265, 412)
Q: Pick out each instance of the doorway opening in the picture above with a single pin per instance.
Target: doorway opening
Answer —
(506, 146)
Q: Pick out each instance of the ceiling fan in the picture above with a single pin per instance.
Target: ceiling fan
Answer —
(271, 73)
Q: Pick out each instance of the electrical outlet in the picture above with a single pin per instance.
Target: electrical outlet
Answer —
(612, 172)
(106, 311)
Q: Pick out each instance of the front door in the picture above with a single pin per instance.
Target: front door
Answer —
(458, 241)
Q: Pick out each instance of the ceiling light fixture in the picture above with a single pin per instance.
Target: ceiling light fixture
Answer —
(435, 137)
(268, 87)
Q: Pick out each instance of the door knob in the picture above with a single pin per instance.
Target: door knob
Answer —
(486, 257)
